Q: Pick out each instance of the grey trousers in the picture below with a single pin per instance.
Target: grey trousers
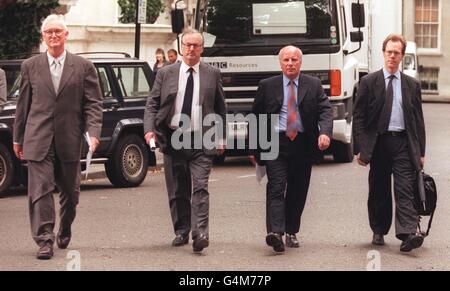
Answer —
(187, 174)
(43, 176)
(391, 158)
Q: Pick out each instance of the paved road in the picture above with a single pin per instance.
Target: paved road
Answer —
(130, 229)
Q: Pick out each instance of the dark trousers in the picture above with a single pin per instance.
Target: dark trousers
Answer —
(187, 174)
(287, 187)
(391, 157)
(43, 176)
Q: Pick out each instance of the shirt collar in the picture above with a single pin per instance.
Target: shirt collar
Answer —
(286, 81)
(61, 58)
(387, 74)
(185, 67)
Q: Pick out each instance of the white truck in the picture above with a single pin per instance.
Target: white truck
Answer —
(341, 41)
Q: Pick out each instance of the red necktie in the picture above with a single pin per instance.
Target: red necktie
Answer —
(292, 111)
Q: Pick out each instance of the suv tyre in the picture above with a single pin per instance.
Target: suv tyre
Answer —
(7, 168)
(127, 166)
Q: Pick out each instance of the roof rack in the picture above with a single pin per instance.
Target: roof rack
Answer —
(123, 54)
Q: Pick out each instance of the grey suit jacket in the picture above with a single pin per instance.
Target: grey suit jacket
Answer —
(44, 116)
(314, 107)
(2, 89)
(160, 105)
(368, 106)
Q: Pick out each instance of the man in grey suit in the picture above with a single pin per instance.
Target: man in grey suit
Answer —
(389, 135)
(59, 101)
(3, 92)
(304, 128)
(184, 94)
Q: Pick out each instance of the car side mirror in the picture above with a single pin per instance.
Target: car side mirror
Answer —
(358, 17)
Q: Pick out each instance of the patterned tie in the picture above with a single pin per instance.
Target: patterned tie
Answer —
(55, 70)
(292, 112)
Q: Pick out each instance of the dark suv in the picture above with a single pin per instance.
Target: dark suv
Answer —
(125, 83)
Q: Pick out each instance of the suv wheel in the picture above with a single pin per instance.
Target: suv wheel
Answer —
(7, 168)
(127, 167)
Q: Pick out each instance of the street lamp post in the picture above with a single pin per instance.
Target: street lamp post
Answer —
(137, 36)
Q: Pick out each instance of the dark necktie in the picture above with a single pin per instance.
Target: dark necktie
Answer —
(292, 111)
(188, 94)
(385, 115)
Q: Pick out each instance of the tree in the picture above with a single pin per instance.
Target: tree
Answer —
(20, 25)
(128, 8)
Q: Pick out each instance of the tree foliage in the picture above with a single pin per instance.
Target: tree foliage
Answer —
(20, 23)
(128, 9)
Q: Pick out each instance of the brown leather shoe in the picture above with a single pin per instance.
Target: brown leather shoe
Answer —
(63, 238)
(291, 241)
(275, 240)
(45, 252)
(200, 242)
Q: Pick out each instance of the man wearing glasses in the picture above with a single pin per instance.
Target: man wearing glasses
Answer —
(389, 134)
(183, 94)
(59, 101)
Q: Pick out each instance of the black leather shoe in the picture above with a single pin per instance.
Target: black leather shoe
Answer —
(378, 239)
(45, 252)
(291, 241)
(180, 240)
(63, 237)
(275, 241)
(200, 242)
(413, 241)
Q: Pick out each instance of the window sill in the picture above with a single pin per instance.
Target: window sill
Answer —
(429, 52)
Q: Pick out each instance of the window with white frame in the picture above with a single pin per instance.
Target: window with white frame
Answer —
(426, 23)
(429, 79)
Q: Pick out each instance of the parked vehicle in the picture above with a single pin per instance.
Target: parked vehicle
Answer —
(125, 84)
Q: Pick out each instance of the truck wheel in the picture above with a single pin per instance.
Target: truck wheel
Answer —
(7, 168)
(343, 152)
(127, 167)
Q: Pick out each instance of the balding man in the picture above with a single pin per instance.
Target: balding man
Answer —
(59, 100)
(305, 128)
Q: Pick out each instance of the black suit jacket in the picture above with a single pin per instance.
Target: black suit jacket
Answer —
(314, 107)
(368, 106)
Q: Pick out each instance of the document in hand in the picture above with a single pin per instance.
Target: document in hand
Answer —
(89, 154)
(260, 172)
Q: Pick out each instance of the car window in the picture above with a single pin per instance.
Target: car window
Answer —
(104, 82)
(132, 81)
(12, 81)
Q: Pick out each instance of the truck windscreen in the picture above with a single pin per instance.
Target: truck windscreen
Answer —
(259, 27)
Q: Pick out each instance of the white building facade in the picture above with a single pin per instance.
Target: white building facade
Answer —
(94, 27)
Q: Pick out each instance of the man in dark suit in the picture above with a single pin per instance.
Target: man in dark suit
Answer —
(389, 135)
(59, 101)
(305, 128)
(185, 93)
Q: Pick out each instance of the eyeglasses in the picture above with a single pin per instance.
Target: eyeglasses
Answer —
(194, 45)
(57, 32)
(396, 54)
